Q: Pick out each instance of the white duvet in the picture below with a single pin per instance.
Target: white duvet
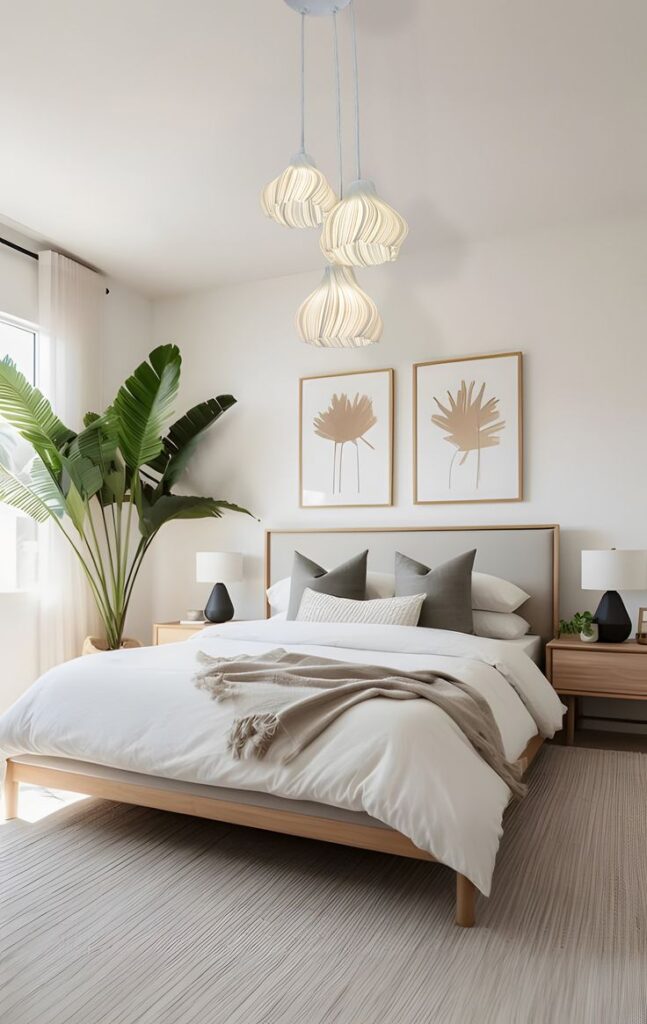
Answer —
(402, 762)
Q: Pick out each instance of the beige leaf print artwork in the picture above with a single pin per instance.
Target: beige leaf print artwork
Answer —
(470, 423)
(345, 422)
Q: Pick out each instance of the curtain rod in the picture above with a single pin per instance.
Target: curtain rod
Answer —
(26, 252)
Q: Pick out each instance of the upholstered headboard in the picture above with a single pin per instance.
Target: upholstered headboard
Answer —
(526, 555)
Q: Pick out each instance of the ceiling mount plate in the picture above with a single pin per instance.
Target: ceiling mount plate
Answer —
(318, 8)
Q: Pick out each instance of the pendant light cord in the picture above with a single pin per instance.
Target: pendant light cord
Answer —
(338, 87)
(303, 82)
(356, 75)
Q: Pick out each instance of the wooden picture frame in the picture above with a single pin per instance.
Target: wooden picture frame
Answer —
(445, 425)
(338, 400)
(641, 627)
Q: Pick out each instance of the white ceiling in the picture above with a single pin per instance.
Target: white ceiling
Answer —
(136, 134)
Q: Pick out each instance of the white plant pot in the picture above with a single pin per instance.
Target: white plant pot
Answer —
(594, 635)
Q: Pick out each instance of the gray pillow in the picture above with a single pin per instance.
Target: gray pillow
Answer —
(447, 589)
(346, 580)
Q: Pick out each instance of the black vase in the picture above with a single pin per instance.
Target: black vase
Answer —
(614, 624)
(219, 607)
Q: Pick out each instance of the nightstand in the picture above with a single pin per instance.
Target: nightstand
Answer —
(173, 632)
(578, 669)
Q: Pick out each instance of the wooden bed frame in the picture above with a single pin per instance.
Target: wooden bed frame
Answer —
(330, 830)
(368, 837)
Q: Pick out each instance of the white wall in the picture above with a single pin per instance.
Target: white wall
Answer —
(573, 300)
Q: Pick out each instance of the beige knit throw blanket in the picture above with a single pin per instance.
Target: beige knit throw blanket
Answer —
(292, 721)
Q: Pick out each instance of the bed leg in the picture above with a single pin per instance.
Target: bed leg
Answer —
(465, 902)
(10, 791)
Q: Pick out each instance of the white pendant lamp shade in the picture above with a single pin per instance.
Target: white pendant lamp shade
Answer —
(300, 197)
(338, 314)
(362, 230)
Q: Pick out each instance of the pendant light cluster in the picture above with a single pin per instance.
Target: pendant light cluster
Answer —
(358, 229)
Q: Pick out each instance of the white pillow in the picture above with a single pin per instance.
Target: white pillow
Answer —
(384, 611)
(278, 595)
(499, 625)
(493, 594)
(378, 584)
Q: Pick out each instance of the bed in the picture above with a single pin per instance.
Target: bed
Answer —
(130, 726)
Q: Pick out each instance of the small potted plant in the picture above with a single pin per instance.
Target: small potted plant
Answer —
(583, 623)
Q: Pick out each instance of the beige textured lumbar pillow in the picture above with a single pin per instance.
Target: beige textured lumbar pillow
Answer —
(383, 611)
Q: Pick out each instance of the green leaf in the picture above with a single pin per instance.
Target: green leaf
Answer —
(26, 409)
(183, 436)
(114, 484)
(83, 474)
(90, 417)
(145, 403)
(98, 442)
(180, 506)
(43, 484)
(40, 499)
(76, 507)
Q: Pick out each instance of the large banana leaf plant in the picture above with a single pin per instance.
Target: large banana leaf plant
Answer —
(119, 470)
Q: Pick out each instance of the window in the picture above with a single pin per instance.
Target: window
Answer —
(17, 533)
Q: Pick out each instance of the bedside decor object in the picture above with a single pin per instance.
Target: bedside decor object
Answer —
(194, 615)
(582, 623)
(611, 571)
(346, 439)
(216, 567)
(115, 474)
(468, 429)
(641, 633)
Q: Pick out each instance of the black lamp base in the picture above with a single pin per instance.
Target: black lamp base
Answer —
(614, 624)
(219, 607)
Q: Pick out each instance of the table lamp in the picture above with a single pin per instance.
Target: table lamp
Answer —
(612, 571)
(215, 567)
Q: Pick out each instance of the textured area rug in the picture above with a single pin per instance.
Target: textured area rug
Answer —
(114, 915)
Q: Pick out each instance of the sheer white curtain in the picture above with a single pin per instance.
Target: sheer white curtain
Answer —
(70, 301)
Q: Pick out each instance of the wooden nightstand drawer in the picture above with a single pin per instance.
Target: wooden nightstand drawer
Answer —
(174, 632)
(599, 672)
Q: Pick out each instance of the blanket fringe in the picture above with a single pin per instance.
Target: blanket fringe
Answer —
(215, 685)
(258, 730)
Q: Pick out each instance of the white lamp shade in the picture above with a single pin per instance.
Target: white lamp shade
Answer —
(362, 230)
(338, 314)
(300, 197)
(218, 567)
(614, 570)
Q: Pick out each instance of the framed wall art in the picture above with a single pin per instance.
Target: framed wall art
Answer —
(346, 439)
(468, 429)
